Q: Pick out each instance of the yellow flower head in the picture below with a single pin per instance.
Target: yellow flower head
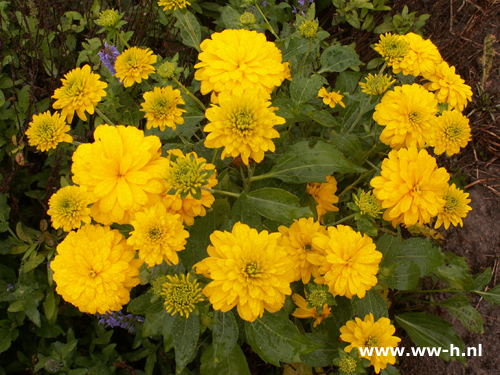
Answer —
(392, 48)
(376, 84)
(95, 269)
(449, 133)
(331, 98)
(287, 74)
(249, 270)
(308, 29)
(134, 65)
(161, 108)
(450, 87)
(303, 312)
(348, 261)
(237, 60)
(181, 295)
(324, 195)
(244, 126)
(68, 208)
(368, 204)
(368, 333)
(297, 240)
(411, 187)
(81, 92)
(422, 58)
(158, 235)
(455, 208)
(173, 4)
(108, 18)
(406, 113)
(348, 365)
(124, 171)
(46, 131)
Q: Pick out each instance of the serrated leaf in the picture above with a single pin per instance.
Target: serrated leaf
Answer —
(277, 204)
(460, 308)
(404, 276)
(338, 58)
(143, 304)
(275, 338)
(456, 277)
(296, 47)
(482, 279)
(492, 295)
(234, 363)
(153, 323)
(303, 89)
(6, 338)
(322, 356)
(302, 164)
(427, 330)
(423, 252)
(389, 247)
(186, 333)
(373, 303)
(324, 118)
(243, 212)
(190, 28)
(349, 144)
(224, 332)
(366, 226)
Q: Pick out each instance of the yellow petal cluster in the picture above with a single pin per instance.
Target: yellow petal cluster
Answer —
(376, 84)
(95, 269)
(449, 87)
(348, 261)
(449, 132)
(161, 107)
(69, 207)
(303, 312)
(181, 295)
(297, 240)
(249, 270)
(392, 48)
(368, 333)
(331, 98)
(406, 113)
(244, 126)
(158, 235)
(46, 131)
(422, 58)
(324, 195)
(134, 65)
(455, 208)
(173, 4)
(124, 171)
(236, 60)
(81, 92)
(411, 187)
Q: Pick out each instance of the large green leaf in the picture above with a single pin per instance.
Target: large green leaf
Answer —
(224, 332)
(277, 204)
(244, 212)
(6, 338)
(302, 164)
(338, 58)
(373, 303)
(186, 333)
(459, 306)
(455, 276)
(234, 363)
(275, 338)
(423, 252)
(304, 88)
(432, 331)
(340, 314)
(404, 276)
(324, 118)
(322, 356)
(482, 279)
(389, 247)
(190, 28)
(492, 295)
(153, 323)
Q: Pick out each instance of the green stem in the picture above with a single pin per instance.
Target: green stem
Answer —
(184, 140)
(244, 179)
(12, 233)
(103, 116)
(261, 177)
(123, 40)
(76, 143)
(215, 191)
(372, 165)
(355, 183)
(268, 24)
(446, 290)
(344, 219)
(200, 104)
(391, 232)
(216, 152)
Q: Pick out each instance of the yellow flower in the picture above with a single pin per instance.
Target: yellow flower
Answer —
(297, 240)
(449, 132)
(249, 270)
(411, 187)
(158, 235)
(348, 365)
(422, 58)
(455, 208)
(449, 87)
(324, 195)
(376, 84)
(161, 108)
(134, 65)
(68, 208)
(124, 171)
(244, 126)
(181, 295)
(302, 312)
(81, 92)
(46, 131)
(406, 113)
(308, 29)
(368, 204)
(331, 98)
(348, 261)
(392, 48)
(173, 4)
(237, 60)
(287, 74)
(370, 334)
(95, 269)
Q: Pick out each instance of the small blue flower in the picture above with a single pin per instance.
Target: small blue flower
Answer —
(294, 9)
(9, 287)
(108, 57)
(264, 3)
(302, 2)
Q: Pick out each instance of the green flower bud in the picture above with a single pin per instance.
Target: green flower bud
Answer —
(166, 70)
(309, 29)
(108, 18)
(247, 19)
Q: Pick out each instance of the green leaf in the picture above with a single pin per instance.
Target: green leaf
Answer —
(482, 279)
(340, 314)
(244, 212)
(427, 330)
(224, 332)
(390, 370)
(455, 276)
(198, 241)
(389, 246)
(143, 304)
(423, 252)
(373, 303)
(168, 337)
(6, 338)
(349, 144)
(275, 338)
(234, 363)
(322, 356)
(186, 333)
(296, 47)
(459, 307)
(404, 276)
(190, 28)
(324, 118)
(338, 58)
(302, 164)
(492, 295)
(34, 261)
(277, 204)
(366, 226)
(303, 89)
(153, 323)
(347, 81)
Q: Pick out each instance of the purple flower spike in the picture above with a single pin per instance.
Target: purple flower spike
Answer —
(108, 57)
(302, 2)
(294, 9)
(264, 3)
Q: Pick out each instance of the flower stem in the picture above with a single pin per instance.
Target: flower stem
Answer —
(103, 116)
(215, 191)
(184, 140)
(268, 24)
(343, 219)
(355, 183)
(123, 40)
(372, 165)
(200, 104)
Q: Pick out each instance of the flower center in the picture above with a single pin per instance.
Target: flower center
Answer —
(347, 365)
(187, 175)
(243, 122)
(317, 298)
(68, 207)
(92, 273)
(416, 190)
(161, 107)
(453, 132)
(155, 234)
(452, 203)
(45, 130)
(371, 342)
(75, 87)
(251, 270)
(181, 295)
(414, 117)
